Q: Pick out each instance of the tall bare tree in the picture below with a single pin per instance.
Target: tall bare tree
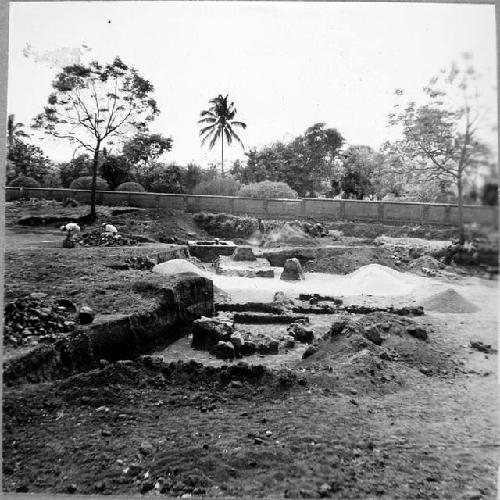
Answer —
(93, 105)
(440, 138)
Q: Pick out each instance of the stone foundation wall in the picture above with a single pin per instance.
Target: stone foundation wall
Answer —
(117, 337)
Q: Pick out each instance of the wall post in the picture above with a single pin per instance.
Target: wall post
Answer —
(342, 210)
(380, 209)
(425, 213)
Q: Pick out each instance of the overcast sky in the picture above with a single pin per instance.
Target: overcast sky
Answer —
(285, 65)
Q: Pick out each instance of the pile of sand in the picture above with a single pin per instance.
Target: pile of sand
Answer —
(448, 301)
(178, 266)
(375, 279)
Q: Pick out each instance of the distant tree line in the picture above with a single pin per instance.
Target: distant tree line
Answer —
(106, 110)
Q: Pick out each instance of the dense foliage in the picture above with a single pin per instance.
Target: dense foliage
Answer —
(306, 163)
(218, 185)
(267, 189)
(86, 183)
(24, 181)
(225, 225)
(26, 160)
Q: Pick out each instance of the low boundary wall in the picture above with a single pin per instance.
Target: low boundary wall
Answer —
(320, 208)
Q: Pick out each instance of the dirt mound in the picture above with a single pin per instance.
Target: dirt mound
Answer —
(379, 352)
(288, 234)
(348, 262)
(152, 371)
(449, 301)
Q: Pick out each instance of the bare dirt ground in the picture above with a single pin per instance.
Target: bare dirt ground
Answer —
(320, 428)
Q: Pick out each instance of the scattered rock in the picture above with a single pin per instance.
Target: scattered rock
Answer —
(223, 350)
(481, 346)
(85, 315)
(237, 340)
(338, 326)
(372, 333)
(134, 469)
(282, 303)
(300, 333)
(100, 486)
(71, 488)
(147, 486)
(309, 351)
(417, 331)
(426, 370)
(67, 304)
(248, 348)
(243, 254)
(140, 262)
(325, 490)
(146, 448)
(207, 332)
(268, 346)
(292, 270)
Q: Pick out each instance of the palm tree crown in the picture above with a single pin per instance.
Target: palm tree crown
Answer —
(218, 122)
(14, 131)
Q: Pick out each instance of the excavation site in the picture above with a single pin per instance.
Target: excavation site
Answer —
(292, 363)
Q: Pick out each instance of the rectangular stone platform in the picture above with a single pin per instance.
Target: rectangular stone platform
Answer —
(248, 268)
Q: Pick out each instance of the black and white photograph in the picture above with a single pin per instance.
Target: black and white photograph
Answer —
(250, 249)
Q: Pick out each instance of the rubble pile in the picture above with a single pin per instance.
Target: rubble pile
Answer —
(33, 319)
(221, 339)
(96, 238)
(140, 262)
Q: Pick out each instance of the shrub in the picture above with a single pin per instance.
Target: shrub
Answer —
(86, 183)
(226, 225)
(222, 186)
(24, 181)
(267, 189)
(130, 186)
(166, 187)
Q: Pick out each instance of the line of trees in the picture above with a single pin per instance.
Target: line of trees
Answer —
(106, 111)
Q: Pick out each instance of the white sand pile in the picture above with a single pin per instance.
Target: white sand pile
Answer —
(375, 279)
(177, 266)
(448, 301)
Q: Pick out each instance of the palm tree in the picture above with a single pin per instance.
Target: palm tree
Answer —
(14, 131)
(219, 118)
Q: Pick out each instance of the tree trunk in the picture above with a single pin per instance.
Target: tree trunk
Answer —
(460, 211)
(222, 151)
(95, 164)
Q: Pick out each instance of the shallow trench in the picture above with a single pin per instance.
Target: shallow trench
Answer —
(116, 337)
